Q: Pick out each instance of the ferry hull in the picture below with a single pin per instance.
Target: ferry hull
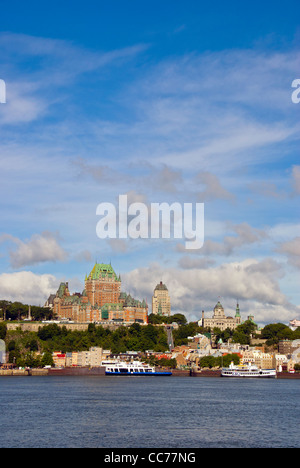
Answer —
(271, 375)
(248, 371)
(137, 374)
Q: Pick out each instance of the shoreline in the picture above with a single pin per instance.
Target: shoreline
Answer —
(100, 371)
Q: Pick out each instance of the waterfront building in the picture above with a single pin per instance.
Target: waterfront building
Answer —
(91, 358)
(258, 358)
(101, 300)
(161, 303)
(288, 346)
(220, 320)
(59, 359)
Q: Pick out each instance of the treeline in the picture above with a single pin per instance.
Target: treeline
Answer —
(23, 346)
(18, 311)
(272, 333)
(221, 361)
(134, 338)
(157, 319)
(276, 332)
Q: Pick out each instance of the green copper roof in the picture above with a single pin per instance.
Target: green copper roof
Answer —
(61, 290)
(101, 270)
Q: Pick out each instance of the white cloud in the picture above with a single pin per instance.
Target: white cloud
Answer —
(54, 66)
(291, 249)
(27, 287)
(244, 235)
(194, 290)
(39, 248)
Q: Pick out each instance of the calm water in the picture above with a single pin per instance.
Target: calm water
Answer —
(175, 412)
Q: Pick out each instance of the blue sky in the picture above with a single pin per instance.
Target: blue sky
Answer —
(165, 102)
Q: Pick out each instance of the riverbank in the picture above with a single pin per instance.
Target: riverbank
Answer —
(24, 372)
(99, 371)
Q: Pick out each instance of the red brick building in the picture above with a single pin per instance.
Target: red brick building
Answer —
(101, 300)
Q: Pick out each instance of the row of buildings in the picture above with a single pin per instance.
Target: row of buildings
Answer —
(189, 356)
(91, 358)
(103, 300)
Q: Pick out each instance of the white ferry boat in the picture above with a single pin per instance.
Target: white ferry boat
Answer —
(249, 370)
(132, 368)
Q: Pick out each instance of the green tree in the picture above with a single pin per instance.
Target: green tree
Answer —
(242, 333)
(32, 345)
(207, 361)
(274, 332)
(47, 360)
(49, 332)
(179, 318)
(3, 330)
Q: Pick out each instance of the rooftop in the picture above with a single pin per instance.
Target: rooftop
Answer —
(161, 286)
(102, 270)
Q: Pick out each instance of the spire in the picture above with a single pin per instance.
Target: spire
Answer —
(237, 310)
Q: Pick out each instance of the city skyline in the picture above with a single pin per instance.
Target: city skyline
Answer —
(163, 103)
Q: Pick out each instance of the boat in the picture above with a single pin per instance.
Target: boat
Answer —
(133, 368)
(247, 370)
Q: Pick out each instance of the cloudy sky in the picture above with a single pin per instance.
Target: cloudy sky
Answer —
(172, 101)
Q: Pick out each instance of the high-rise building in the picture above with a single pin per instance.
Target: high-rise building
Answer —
(161, 303)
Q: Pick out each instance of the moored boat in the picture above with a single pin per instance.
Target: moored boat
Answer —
(133, 368)
(249, 370)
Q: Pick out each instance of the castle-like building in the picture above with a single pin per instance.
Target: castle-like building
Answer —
(101, 300)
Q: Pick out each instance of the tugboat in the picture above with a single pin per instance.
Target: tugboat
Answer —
(249, 370)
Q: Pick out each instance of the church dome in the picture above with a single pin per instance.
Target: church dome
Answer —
(219, 306)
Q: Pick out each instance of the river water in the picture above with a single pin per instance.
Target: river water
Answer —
(148, 412)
